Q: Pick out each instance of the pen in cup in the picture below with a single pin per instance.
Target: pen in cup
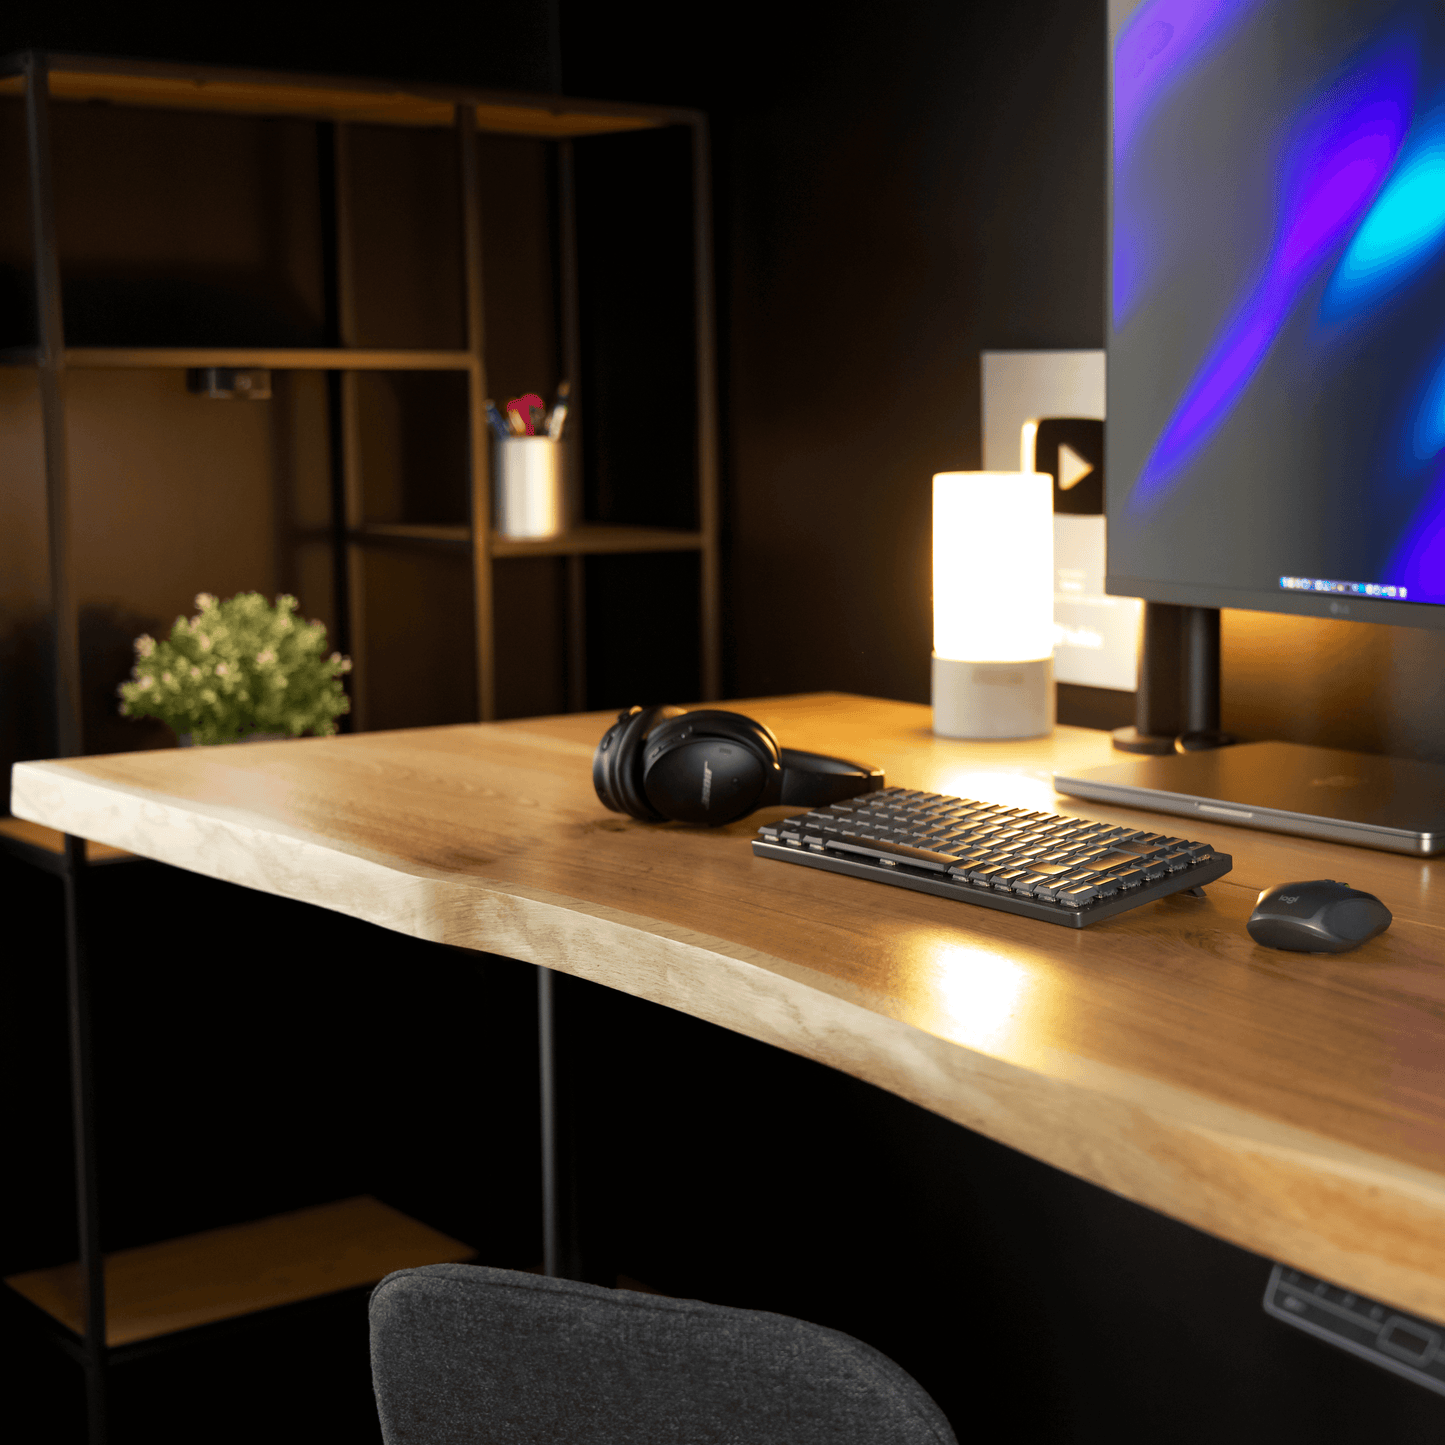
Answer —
(559, 411)
(496, 420)
(525, 413)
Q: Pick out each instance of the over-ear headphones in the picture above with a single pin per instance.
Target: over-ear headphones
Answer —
(713, 767)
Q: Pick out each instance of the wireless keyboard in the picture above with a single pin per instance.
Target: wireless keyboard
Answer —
(1042, 865)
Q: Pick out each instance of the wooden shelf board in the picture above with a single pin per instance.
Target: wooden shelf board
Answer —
(36, 835)
(597, 539)
(279, 358)
(224, 1273)
(557, 124)
(412, 532)
(579, 541)
(173, 88)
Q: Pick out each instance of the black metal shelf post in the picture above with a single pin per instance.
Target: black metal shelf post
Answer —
(83, 1131)
(50, 363)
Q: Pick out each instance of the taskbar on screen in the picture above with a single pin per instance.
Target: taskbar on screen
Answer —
(1413, 610)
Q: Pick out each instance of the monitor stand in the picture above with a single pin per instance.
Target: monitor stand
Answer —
(1176, 707)
(1189, 767)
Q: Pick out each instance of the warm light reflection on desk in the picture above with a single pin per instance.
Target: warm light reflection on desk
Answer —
(1027, 788)
(982, 998)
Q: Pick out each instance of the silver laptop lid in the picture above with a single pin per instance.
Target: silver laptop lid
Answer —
(1389, 803)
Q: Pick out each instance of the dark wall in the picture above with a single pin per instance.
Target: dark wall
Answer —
(509, 46)
(897, 191)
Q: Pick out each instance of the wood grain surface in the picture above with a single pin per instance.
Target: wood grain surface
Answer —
(225, 1273)
(1293, 1104)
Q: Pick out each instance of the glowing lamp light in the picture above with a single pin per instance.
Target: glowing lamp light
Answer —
(993, 604)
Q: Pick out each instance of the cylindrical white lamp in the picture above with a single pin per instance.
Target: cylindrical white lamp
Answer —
(993, 604)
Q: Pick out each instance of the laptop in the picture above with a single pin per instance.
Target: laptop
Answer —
(1375, 802)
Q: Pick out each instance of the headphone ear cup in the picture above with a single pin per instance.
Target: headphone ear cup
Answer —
(715, 723)
(617, 763)
(710, 767)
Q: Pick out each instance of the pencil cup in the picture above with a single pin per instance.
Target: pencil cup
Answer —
(527, 478)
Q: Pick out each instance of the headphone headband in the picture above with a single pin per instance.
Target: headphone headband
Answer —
(813, 780)
(710, 766)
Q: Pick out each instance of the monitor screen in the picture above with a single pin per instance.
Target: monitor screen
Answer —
(1276, 330)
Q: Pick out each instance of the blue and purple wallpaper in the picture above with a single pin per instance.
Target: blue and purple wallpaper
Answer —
(1277, 299)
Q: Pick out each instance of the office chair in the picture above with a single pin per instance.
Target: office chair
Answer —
(464, 1355)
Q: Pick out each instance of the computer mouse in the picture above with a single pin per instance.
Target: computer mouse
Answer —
(1317, 917)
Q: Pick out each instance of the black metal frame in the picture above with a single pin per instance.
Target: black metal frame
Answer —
(50, 327)
(561, 1235)
(51, 359)
(83, 1127)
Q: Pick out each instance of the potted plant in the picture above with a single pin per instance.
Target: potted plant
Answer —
(239, 668)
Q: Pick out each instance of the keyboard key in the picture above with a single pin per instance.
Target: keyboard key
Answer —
(1005, 880)
(1128, 877)
(987, 873)
(885, 850)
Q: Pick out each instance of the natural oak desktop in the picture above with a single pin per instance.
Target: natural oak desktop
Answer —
(1293, 1104)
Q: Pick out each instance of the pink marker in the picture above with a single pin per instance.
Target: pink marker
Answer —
(523, 405)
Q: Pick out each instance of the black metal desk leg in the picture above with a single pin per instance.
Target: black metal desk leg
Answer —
(561, 1252)
(82, 1092)
(547, 1059)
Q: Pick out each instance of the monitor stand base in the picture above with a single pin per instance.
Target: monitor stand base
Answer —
(1202, 742)
(1131, 740)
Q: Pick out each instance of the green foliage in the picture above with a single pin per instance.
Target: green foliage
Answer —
(238, 667)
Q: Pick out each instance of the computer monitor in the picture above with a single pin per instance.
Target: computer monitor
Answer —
(1276, 370)
(1276, 327)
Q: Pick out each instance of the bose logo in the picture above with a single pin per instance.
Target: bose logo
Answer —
(706, 783)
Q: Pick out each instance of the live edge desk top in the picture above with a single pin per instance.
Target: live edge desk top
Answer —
(1291, 1103)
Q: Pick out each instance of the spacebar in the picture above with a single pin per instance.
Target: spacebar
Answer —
(881, 848)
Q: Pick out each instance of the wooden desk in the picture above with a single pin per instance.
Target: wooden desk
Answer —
(1293, 1104)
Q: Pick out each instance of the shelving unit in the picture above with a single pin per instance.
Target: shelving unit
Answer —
(44, 81)
(105, 1305)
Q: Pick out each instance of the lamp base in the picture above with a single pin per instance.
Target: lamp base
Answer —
(993, 699)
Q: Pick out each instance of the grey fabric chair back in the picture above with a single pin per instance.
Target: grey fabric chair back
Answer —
(462, 1355)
